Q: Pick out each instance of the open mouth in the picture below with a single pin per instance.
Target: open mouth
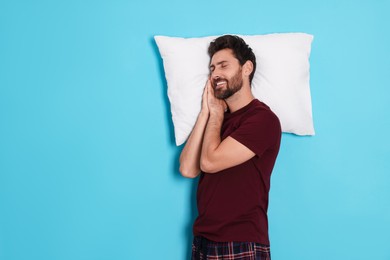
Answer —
(220, 84)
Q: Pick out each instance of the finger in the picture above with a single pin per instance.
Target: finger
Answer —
(211, 90)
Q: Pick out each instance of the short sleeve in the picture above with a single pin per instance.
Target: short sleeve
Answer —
(259, 131)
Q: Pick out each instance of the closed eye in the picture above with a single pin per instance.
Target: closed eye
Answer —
(222, 65)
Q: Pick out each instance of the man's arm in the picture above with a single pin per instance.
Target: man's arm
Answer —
(217, 155)
(190, 155)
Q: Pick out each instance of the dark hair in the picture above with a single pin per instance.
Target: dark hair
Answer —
(240, 49)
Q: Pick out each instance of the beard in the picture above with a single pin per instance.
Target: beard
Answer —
(233, 85)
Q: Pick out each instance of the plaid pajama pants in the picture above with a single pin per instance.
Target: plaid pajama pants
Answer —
(204, 249)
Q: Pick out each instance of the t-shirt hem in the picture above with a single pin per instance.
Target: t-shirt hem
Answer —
(231, 239)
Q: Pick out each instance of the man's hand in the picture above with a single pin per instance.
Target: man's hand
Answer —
(216, 106)
(205, 107)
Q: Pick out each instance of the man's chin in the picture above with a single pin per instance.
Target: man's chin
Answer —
(219, 95)
(223, 97)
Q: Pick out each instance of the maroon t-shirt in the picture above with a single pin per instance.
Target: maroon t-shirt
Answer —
(233, 203)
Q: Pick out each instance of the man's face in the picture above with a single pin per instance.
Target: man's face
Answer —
(225, 74)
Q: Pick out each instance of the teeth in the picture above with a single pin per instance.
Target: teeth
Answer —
(221, 82)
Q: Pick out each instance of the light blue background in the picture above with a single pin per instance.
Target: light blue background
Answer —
(88, 164)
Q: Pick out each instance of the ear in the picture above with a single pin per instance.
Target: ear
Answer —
(247, 68)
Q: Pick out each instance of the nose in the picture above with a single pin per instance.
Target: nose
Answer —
(214, 79)
(215, 75)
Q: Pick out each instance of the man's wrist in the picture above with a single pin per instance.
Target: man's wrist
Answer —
(217, 114)
(204, 114)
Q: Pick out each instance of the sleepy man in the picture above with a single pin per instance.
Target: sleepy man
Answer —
(233, 147)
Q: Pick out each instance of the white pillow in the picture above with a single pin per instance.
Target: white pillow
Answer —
(281, 79)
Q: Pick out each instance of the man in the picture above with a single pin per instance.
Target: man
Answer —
(233, 146)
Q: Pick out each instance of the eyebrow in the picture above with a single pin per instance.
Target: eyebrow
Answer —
(219, 63)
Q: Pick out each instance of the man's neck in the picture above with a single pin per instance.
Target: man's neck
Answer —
(240, 99)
